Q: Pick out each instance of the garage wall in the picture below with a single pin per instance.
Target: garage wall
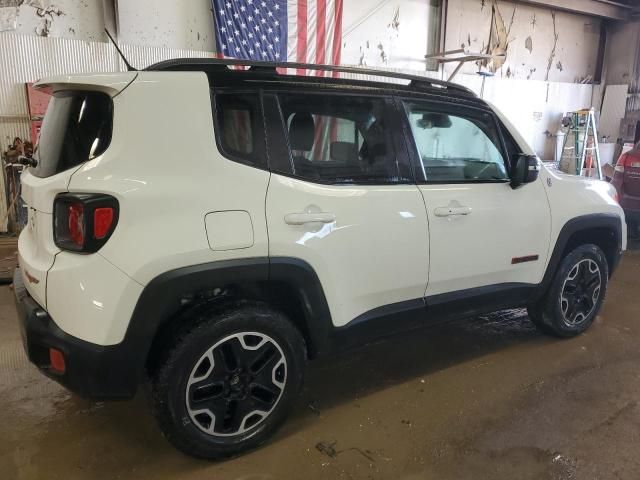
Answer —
(80, 20)
(167, 23)
(157, 23)
(387, 33)
(622, 59)
(535, 107)
(532, 49)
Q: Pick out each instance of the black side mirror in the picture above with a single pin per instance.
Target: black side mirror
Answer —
(525, 169)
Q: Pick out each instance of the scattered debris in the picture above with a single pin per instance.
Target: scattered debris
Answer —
(559, 65)
(327, 448)
(531, 72)
(528, 44)
(406, 422)
(312, 406)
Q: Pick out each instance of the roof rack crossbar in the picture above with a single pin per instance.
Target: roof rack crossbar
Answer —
(220, 63)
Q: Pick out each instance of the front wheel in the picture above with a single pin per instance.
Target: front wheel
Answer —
(229, 381)
(575, 295)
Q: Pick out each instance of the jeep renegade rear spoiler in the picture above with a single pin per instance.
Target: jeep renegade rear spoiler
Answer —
(109, 83)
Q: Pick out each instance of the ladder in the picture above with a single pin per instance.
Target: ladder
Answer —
(580, 151)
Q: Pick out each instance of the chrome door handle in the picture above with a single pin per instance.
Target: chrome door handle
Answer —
(302, 218)
(451, 211)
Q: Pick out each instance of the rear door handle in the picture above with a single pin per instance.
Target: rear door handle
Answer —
(451, 211)
(302, 218)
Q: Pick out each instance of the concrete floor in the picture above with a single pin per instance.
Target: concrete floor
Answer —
(480, 399)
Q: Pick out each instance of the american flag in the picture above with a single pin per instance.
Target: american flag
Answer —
(303, 31)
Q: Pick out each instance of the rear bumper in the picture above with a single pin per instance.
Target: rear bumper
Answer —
(92, 371)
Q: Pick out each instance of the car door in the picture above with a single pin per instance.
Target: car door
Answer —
(484, 236)
(342, 200)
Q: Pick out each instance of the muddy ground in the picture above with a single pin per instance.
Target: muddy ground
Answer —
(484, 398)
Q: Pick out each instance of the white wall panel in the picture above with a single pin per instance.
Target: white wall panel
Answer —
(167, 24)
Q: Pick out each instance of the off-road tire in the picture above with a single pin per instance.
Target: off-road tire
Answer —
(178, 365)
(550, 313)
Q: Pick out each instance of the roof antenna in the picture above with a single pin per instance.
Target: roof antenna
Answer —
(124, 59)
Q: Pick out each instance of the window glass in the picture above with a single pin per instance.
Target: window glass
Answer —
(239, 127)
(339, 139)
(513, 149)
(454, 148)
(77, 127)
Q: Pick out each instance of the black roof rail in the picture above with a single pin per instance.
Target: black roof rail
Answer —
(222, 64)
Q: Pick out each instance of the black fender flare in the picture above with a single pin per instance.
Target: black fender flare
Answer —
(163, 299)
(608, 221)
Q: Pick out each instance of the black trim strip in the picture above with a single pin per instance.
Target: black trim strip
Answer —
(526, 258)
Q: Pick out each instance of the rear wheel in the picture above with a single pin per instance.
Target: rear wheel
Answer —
(575, 295)
(229, 381)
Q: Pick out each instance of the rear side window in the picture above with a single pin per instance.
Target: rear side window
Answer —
(76, 128)
(239, 127)
(456, 148)
(340, 139)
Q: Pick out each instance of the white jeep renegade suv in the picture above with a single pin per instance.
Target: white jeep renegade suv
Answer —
(210, 229)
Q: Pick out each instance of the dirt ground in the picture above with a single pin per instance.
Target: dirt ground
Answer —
(480, 399)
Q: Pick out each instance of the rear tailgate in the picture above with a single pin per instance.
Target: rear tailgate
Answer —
(76, 128)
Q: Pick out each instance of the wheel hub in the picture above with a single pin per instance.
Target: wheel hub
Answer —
(236, 384)
(580, 292)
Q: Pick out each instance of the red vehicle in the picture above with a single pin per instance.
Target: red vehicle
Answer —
(626, 179)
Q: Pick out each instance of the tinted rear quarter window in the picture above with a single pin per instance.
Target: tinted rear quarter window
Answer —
(76, 128)
(239, 127)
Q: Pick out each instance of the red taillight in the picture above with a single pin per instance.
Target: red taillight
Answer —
(83, 222)
(76, 223)
(102, 220)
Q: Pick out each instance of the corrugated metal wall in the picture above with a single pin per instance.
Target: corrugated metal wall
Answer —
(26, 58)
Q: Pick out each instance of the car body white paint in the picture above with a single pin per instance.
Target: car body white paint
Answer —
(370, 245)
(229, 230)
(375, 252)
(477, 249)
